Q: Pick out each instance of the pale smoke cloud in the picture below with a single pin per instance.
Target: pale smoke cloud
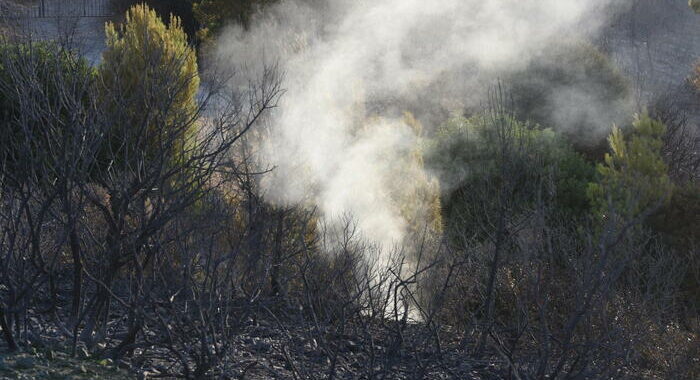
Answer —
(352, 66)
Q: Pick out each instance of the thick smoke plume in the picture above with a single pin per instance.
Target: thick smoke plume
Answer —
(340, 139)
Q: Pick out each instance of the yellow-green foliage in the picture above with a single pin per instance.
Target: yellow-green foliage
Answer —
(144, 47)
(634, 176)
(151, 70)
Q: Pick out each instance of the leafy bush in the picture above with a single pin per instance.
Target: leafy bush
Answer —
(466, 154)
(533, 269)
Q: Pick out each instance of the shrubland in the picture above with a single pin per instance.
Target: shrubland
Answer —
(136, 229)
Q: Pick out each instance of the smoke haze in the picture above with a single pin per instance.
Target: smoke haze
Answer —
(340, 140)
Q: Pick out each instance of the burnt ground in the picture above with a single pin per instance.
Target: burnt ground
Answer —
(270, 349)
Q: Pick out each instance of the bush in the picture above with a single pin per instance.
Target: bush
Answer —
(576, 90)
(634, 177)
(33, 70)
(678, 221)
(466, 153)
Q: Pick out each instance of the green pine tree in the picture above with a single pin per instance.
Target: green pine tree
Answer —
(149, 76)
(634, 177)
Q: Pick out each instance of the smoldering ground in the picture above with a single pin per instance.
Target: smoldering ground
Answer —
(340, 140)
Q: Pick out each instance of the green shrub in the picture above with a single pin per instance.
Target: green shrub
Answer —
(466, 152)
(574, 175)
(634, 177)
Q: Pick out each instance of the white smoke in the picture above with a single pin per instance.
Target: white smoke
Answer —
(352, 66)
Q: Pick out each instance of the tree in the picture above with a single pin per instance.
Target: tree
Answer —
(163, 161)
(634, 178)
(145, 60)
(214, 14)
(152, 161)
